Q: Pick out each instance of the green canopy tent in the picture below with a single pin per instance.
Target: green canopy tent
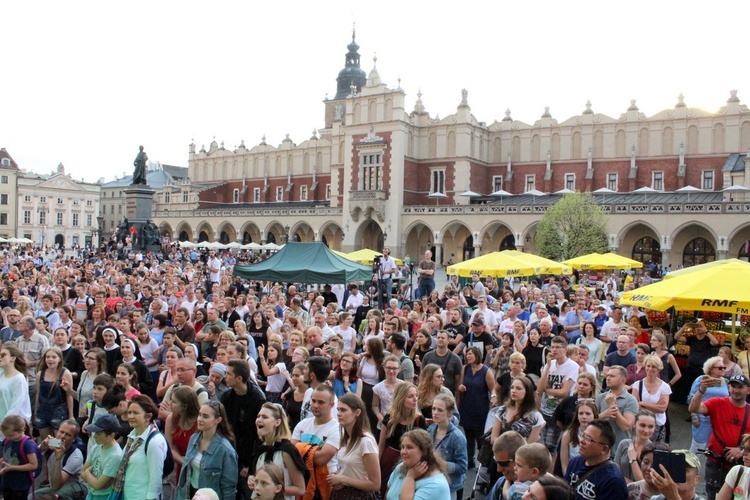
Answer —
(306, 263)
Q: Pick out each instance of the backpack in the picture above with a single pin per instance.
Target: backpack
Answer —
(168, 461)
(24, 457)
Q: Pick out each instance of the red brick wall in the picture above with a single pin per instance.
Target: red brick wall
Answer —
(223, 193)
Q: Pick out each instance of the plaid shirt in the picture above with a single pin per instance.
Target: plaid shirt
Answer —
(32, 349)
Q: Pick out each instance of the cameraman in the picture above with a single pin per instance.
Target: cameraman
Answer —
(387, 268)
(729, 420)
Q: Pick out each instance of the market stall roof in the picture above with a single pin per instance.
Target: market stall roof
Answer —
(366, 256)
(596, 261)
(721, 288)
(310, 262)
(506, 264)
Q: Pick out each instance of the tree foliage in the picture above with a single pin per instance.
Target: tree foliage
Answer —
(573, 226)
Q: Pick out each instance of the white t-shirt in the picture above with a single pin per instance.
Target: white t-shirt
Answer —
(216, 264)
(490, 320)
(328, 433)
(506, 326)
(556, 378)
(611, 330)
(647, 397)
(348, 334)
(352, 463)
(275, 383)
(743, 473)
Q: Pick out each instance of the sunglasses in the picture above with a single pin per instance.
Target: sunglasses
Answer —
(504, 463)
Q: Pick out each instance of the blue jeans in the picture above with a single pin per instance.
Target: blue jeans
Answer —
(426, 286)
(386, 284)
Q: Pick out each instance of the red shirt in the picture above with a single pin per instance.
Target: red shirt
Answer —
(726, 420)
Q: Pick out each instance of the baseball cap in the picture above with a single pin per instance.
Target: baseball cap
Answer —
(690, 459)
(740, 379)
(105, 423)
(478, 320)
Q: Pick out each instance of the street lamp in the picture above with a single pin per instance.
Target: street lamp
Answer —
(286, 236)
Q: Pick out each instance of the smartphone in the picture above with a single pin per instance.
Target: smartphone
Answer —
(673, 462)
(54, 443)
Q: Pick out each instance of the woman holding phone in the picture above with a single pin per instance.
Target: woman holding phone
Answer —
(713, 369)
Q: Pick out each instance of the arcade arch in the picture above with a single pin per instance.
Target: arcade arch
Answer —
(639, 240)
(454, 237)
(418, 238)
(369, 235)
(302, 232)
(227, 233)
(250, 233)
(184, 232)
(497, 236)
(205, 232)
(331, 235)
(693, 243)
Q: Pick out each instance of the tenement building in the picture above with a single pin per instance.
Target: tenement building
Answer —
(376, 173)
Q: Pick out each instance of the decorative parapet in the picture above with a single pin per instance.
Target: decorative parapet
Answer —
(249, 212)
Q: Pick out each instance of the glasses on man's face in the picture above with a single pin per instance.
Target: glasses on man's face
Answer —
(585, 438)
(504, 463)
(744, 449)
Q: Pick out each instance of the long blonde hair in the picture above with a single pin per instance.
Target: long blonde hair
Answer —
(425, 388)
(397, 412)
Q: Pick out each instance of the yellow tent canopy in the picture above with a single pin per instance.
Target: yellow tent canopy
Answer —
(366, 256)
(596, 261)
(634, 264)
(701, 267)
(721, 288)
(505, 264)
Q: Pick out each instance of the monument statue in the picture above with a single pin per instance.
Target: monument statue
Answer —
(139, 174)
(150, 234)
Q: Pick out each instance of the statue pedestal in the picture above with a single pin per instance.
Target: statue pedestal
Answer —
(138, 206)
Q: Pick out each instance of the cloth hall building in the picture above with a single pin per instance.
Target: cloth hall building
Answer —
(383, 171)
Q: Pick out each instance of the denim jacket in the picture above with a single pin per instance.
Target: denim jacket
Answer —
(453, 448)
(218, 468)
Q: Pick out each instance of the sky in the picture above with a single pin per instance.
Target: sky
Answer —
(85, 83)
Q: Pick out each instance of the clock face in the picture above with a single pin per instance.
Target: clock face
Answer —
(60, 182)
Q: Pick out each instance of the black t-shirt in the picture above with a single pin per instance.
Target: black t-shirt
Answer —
(455, 330)
(700, 350)
(484, 342)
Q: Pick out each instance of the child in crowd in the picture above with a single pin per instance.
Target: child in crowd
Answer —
(532, 462)
(16, 472)
(100, 468)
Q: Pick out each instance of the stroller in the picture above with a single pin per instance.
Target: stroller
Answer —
(485, 457)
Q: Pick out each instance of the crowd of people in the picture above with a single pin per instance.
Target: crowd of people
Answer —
(127, 378)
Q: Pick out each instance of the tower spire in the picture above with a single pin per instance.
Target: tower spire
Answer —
(352, 75)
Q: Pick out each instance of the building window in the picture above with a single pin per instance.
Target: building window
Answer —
(657, 181)
(708, 180)
(27, 216)
(437, 181)
(184, 196)
(303, 193)
(59, 201)
(279, 193)
(256, 195)
(698, 251)
(372, 172)
(3, 199)
(6, 163)
(570, 181)
(89, 203)
(75, 219)
(42, 217)
(89, 220)
(111, 224)
(497, 183)
(27, 197)
(59, 218)
(166, 196)
(42, 199)
(4, 178)
(530, 182)
(112, 209)
(328, 192)
(119, 209)
(236, 196)
(76, 201)
(646, 250)
(612, 181)
(3, 219)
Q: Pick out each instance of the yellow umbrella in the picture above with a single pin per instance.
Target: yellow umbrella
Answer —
(634, 264)
(548, 266)
(721, 288)
(595, 261)
(701, 267)
(366, 256)
(505, 264)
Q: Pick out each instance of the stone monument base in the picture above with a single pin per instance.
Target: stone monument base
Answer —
(138, 208)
